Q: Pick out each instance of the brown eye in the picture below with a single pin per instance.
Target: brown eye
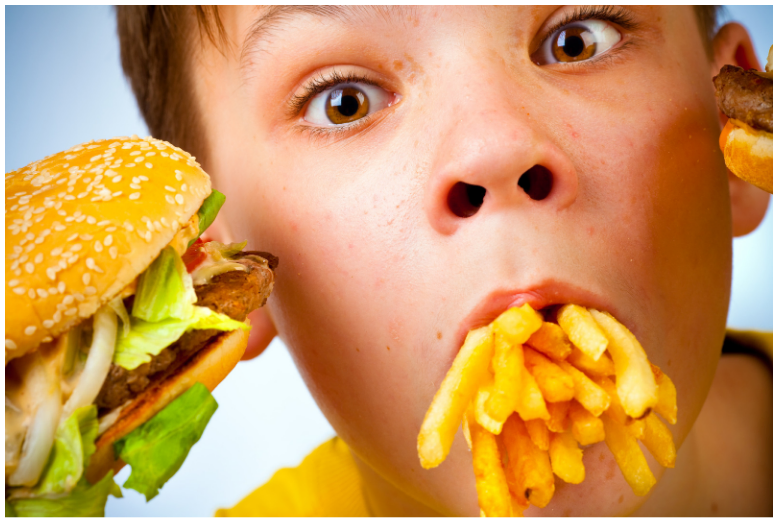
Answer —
(573, 44)
(346, 104)
(577, 42)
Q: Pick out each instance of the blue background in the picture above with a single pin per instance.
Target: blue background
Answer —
(64, 85)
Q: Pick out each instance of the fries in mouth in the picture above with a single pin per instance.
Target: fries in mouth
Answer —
(530, 394)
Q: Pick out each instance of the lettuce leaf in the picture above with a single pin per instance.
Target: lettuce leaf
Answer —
(162, 290)
(209, 209)
(164, 308)
(73, 446)
(157, 449)
(83, 500)
(150, 338)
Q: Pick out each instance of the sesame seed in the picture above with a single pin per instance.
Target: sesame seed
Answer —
(30, 330)
(31, 293)
(157, 226)
(179, 199)
(42, 293)
(150, 153)
(117, 179)
(108, 240)
(74, 236)
(134, 186)
(39, 258)
(72, 259)
(110, 229)
(117, 194)
(90, 263)
(164, 154)
(148, 236)
(10, 344)
(113, 252)
(60, 287)
(29, 267)
(51, 273)
(90, 290)
(57, 317)
(143, 178)
(78, 297)
(134, 195)
(130, 165)
(139, 159)
(86, 278)
(13, 282)
(19, 291)
(128, 226)
(97, 246)
(170, 189)
(148, 165)
(48, 324)
(135, 153)
(178, 175)
(169, 199)
(69, 197)
(70, 312)
(77, 247)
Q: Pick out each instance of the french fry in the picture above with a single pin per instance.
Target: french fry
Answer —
(667, 396)
(633, 377)
(615, 410)
(538, 432)
(582, 330)
(629, 457)
(583, 362)
(551, 341)
(517, 324)
(559, 419)
(636, 427)
(586, 428)
(494, 499)
(658, 440)
(479, 404)
(555, 384)
(530, 465)
(508, 367)
(566, 458)
(453, 397)
(588, 393)
(530, 403)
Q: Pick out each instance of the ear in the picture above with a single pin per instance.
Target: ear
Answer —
(732, 46)
(263, 330)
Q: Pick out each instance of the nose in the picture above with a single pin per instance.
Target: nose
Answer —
(493, 161)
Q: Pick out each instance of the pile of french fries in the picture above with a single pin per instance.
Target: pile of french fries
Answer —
(529, 393)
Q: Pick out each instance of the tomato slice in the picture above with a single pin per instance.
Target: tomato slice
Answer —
(194, 256)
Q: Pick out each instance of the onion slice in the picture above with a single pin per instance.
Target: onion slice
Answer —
(40, 434)
(97, 364)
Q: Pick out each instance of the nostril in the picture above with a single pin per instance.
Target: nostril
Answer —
(537, 182)
(465, 199)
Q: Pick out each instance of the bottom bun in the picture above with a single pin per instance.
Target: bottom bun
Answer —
(748, 153)
(210, 366)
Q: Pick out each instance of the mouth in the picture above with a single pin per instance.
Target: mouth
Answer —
(545, 298)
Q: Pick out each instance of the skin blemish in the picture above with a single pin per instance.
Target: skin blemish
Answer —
(397, 64)
(620, 499)
(439, 335)
(388, 347)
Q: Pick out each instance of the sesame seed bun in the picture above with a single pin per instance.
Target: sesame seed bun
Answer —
(210, 366)
(748, 153)
(81, 225)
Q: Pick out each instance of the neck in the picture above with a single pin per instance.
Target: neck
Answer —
(384, 499)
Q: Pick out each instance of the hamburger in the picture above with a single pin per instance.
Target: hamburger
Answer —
(120, 319)
(744, 96)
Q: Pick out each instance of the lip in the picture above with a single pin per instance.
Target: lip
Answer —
(538, 297)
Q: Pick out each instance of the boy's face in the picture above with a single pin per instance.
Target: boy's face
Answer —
(381, 276)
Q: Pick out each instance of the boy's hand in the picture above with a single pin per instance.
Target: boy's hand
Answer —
(261, 334)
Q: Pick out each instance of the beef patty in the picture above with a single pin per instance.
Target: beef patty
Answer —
(234, 293)
(745, 96)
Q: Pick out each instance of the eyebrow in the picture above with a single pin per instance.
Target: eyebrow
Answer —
(275, 17)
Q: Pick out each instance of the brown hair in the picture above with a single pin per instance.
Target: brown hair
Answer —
(156, 43)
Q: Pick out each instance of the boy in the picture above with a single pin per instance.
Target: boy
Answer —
(418, 170)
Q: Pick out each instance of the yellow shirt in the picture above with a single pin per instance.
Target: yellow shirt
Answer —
(327, 482)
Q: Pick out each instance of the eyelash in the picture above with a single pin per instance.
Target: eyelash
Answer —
(321, 83)
(613, 14)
